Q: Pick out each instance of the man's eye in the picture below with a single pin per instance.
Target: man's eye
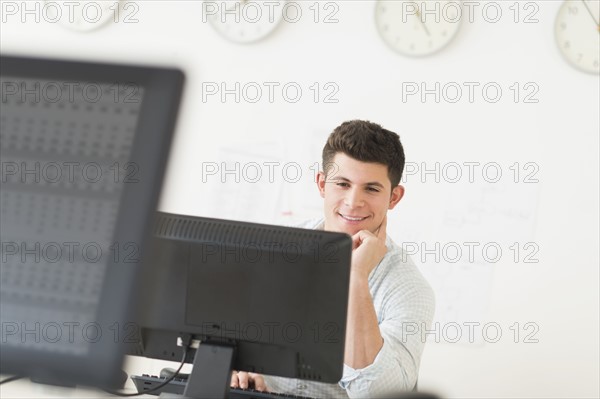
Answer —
(343, 184)
(373, 189)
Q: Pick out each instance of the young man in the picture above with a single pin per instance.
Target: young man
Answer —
(389, 298)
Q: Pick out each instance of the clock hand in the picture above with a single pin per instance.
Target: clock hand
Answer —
(591, 14)
(422, 23)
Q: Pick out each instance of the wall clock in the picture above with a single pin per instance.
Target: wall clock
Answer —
(82, 15)
(408, 30)
(577, 33)
(244, 21)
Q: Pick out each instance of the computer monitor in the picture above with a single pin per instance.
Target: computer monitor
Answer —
(83, 152)
(259, 298)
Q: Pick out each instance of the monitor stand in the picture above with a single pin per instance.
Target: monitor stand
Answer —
(211, 373)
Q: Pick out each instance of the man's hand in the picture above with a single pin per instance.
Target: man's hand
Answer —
(368, 249)
(363, 338)
(244, 380)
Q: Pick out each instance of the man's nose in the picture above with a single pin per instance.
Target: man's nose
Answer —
(353, 199)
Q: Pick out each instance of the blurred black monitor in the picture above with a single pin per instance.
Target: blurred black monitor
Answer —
(248, 297)
(83, 152)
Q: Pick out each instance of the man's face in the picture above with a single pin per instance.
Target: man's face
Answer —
(357, 195)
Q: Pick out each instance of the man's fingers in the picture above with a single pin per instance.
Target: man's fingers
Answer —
(356, 240)
(235, 383)
(243, 378)
(259, 382)
(246, 380)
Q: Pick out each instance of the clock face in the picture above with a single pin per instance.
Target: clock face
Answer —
(244, 21)
(82, 15)
(578, 33)
(407, 29)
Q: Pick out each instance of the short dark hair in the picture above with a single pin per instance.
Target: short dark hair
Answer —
(366, 142)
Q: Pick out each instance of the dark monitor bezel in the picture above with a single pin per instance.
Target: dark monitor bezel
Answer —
(163, 89)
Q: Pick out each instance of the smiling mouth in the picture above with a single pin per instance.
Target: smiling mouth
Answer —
(353, 218)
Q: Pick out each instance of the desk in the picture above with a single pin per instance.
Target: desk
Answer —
(24, 388)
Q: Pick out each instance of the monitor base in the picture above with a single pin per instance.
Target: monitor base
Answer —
(211, 374)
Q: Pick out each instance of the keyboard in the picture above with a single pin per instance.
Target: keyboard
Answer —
(146, 382)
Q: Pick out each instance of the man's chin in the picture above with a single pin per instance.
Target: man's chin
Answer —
(350, 230)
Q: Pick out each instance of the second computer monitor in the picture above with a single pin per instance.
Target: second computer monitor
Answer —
(277, 295)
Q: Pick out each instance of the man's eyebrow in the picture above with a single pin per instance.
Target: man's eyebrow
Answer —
(372, 183)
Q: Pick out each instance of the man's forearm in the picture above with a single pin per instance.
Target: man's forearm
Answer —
(363, 338)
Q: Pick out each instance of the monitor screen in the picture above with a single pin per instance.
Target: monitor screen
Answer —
(83, 151)
(277, 296)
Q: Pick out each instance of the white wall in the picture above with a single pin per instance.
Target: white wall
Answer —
(558, 134)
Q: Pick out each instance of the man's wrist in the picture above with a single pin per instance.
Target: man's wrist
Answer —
(358, 277)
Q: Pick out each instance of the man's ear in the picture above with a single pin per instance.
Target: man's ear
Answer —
(321, 183)
(397, 194)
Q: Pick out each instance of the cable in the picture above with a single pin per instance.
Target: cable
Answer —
(186, 340)
(11, 379)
